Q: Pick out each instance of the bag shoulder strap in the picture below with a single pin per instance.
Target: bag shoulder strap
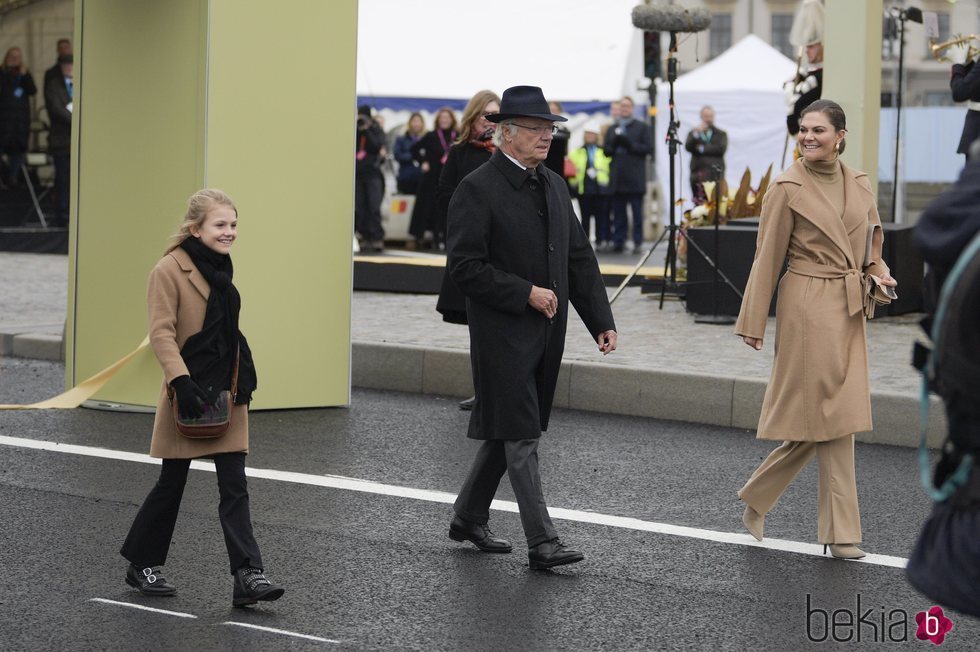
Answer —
(234, 374)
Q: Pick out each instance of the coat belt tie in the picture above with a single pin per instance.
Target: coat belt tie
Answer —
(853, 280)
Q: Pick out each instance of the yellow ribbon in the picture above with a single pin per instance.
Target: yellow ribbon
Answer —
(85, 389)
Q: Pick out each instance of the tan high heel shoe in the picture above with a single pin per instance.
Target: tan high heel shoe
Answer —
(754, 522)
(844, 551)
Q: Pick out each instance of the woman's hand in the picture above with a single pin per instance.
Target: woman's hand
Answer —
(754, 342)
(191, 399)
(886, 279)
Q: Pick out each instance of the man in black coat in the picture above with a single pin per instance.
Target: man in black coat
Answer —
(369, 182)
(519, 255)
(707, 145)
(628, 142)
(59, 92)
(54, 72)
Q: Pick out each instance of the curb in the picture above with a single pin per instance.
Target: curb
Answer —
(724, 401)
(608, 388)
(38, 346)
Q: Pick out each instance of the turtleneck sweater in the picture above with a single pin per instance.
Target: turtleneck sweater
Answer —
(830, 181)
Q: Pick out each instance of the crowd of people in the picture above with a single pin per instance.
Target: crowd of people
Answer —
(608, 173)
(21, 108)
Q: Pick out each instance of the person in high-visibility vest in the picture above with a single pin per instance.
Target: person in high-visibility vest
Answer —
(591, 185)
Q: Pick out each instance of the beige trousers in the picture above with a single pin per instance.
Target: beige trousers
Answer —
(838, 517)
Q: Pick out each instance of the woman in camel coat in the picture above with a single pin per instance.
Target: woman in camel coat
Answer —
(816, 216)
(193, 318)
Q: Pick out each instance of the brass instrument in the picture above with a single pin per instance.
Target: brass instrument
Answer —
(966, 40)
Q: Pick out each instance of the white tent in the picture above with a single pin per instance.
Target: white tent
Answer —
(744, 85)
(577, 51)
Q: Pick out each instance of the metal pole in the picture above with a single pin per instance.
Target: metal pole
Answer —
(670, 265)
(898, 112)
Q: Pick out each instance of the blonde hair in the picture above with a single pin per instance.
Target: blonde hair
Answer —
(474, 109)
(198, 207)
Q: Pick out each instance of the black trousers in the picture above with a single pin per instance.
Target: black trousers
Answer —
(149, 537)
(635, 202)
(519, 459)
(369, 192)
(62, 189)
(595, 207)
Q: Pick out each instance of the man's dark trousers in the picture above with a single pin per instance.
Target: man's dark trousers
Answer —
(369, 190)
(519, 459)
(635, 202)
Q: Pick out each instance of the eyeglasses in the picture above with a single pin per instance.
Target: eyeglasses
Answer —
(540, 131)
(489, 113)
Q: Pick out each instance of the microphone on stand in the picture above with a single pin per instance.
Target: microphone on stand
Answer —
(670, 18)
(673, 19)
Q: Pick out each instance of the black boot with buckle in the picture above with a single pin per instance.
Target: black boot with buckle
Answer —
(149, 581)
(251, 586)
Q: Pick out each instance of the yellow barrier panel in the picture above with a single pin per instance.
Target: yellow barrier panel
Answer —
(190, 115)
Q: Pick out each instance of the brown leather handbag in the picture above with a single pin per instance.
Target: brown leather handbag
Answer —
(216, 418)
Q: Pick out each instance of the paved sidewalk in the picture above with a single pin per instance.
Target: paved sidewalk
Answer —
(667, 366)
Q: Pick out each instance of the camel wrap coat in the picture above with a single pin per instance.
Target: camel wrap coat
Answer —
(819, 388)
(177, 299)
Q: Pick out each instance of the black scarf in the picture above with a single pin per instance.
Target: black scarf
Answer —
(210, 353)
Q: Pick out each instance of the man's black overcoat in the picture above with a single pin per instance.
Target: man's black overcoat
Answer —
(500, 243)
(629, 150)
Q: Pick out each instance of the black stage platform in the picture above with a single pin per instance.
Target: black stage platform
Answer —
(421, 273)
(736, 244)
(21, 227)
(34, 240)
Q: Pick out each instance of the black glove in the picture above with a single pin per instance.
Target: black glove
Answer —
(191, 399)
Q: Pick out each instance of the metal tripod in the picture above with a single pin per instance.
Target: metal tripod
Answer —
(670, 264)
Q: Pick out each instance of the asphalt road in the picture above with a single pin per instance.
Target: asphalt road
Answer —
(368, 565)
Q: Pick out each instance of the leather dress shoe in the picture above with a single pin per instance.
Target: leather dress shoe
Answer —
(251, 586)
(843, 551)
(552, 553)
(468, 404)
(149, 581)
(478, 534)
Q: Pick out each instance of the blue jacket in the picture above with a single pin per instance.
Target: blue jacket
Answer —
(408, 168)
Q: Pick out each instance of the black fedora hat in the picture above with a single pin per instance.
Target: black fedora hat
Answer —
(524, 102)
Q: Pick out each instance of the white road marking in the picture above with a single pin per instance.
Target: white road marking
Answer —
(367, 486)
(280, 631)
(179, 614)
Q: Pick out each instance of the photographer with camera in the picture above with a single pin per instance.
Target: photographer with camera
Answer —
(369, 182)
